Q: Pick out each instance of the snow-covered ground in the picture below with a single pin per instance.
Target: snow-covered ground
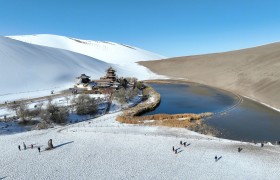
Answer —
(105, 149)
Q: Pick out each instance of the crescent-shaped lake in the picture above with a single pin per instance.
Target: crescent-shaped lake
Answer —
(235, 117)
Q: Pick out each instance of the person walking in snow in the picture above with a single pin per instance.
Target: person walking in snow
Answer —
(39, 149)
(185, 144)
(19, 147)
(239, 149)
(181, 142)
(216, 158)
(173, 148)
(24, 146)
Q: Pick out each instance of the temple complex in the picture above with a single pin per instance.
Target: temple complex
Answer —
(109, 80)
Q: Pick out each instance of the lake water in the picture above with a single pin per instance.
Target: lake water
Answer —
(244, 120)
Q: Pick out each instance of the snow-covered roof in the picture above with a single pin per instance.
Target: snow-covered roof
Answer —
(83, 76)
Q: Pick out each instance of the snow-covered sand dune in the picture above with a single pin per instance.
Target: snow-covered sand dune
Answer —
(106, 51)
(105, 149)
(29, 70)
(26, 67)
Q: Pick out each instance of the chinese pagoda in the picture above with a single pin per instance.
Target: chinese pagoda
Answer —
(111, 75)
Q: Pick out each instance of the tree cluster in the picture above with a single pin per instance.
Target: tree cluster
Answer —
(57, 114)
(23, 112)
(53, 112)
(125, 95)
(85, 105)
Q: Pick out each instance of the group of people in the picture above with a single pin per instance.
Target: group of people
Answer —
(24, 147)
(31, 146)
(185, 145)
(239, 149)
(181, 143)
(216, 157)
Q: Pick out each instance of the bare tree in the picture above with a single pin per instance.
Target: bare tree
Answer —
(55, 113)
(23, 112)
(120, 95)
(86, 105)
(131, 93)
(125, 95)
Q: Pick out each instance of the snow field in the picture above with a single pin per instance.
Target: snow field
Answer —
(86, 151)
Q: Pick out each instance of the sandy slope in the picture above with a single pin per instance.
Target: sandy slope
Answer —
(253, 72)
(105, 149)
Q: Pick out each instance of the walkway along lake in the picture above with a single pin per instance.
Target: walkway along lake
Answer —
(235, 117)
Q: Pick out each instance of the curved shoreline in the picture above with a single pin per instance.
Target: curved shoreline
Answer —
(164, 81)
(232, 92)
(150, 104)
(238, 110)
(185, 120)
(262, 103)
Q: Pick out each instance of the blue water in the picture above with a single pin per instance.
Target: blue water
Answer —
(183, 98)
(249, 121)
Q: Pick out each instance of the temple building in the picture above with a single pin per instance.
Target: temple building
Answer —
(111, 75)
(109, 80)
(84, 82)
(83, 78)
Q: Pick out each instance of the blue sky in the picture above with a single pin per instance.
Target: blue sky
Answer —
(167, 27)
